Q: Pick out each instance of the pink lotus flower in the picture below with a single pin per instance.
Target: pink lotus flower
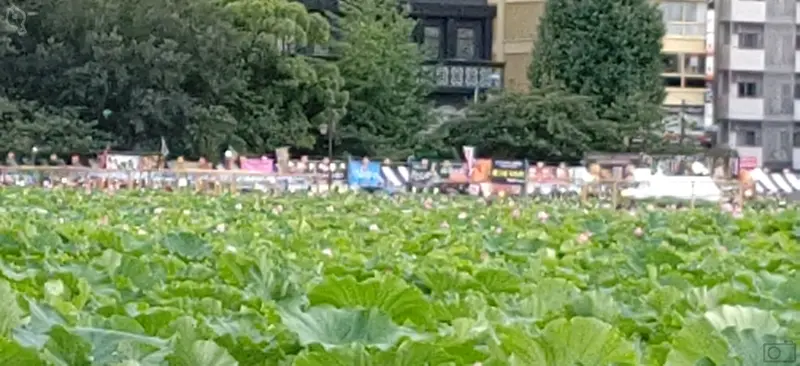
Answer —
(428, 204)
(638, 231)
(542, 216)
(727, 207)
(584, 237)
(737, 213)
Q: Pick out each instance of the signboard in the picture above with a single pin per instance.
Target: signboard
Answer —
(447, 168)
(508, 172)
(748, 162)
(421, 174)
(282, 157)
(122, 162)
(364, 174)
(261, 165)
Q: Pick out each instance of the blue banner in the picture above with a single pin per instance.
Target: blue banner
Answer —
(364, 175)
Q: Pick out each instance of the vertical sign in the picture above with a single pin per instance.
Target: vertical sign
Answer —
(469, 157)
(708, 113)
(282, 156)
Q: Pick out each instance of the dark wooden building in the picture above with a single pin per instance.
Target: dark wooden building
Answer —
(456, 38)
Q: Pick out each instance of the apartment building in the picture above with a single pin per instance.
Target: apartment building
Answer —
(687, 60)
(757, 88)
(686, 63)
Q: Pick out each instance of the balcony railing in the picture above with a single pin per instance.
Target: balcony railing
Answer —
(456, 76)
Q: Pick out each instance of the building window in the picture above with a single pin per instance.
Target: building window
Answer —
(796, 137)
(671, 63)
(750, 41)
(466, 43)
(747, 138)
(749, 35)
(432, 42)
(695, 83)
(672, 81)
(796, 91)
(747, 90)
(684, 18)
(694, 64)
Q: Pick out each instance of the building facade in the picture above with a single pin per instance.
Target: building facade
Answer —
(516, 26)
(456, 39)
(757, 88)
(685, 56)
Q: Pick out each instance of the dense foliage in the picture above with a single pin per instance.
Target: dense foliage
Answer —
(205, 74)
(388, 91)
(144, 278)
(540, 123)
(608, 50)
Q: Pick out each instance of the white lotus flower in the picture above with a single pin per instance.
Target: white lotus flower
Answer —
(238, 207)
(462, 215)
(220, 228)
(542, 216)
(141, 232)
(54, 287)
(329, 209)
(328, 252)
(373, 227)
(158, 210)
(444, 225)
(187, 212)
(231, 249)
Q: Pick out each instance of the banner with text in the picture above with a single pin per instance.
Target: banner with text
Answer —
(509, 172)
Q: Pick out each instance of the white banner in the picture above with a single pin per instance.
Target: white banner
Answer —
(469, 157)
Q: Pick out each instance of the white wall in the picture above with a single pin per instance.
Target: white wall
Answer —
(744, 108)
(748, 11)
(745, 59)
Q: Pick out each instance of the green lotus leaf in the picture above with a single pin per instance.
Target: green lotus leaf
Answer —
(332, 327)
(388, 293)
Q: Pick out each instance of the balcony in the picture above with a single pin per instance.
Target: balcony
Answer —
(463, 77)
(746, 59)
(748, 11)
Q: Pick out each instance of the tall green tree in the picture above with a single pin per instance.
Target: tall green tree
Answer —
(202, 73)
(388, 88)
(610, 51)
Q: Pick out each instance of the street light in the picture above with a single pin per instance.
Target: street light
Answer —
(494, 77)
(325, 129)
(34, 151)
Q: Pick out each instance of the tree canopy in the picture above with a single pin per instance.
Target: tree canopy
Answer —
(384, 77)
(208, 74)
(610, 51)
(545, 124)
(204, 74)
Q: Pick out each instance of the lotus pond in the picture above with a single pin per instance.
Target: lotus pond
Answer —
(143, 278)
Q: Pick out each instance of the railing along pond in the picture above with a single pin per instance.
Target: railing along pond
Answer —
(205, 180)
